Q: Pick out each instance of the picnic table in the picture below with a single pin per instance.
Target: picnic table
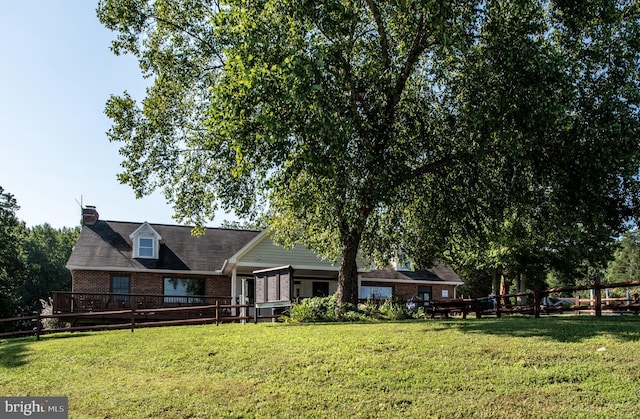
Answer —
(453, 306)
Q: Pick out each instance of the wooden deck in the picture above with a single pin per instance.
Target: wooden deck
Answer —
(81, 302)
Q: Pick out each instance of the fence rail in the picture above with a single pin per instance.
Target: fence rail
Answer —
(139, 318)
(536, 302)
(133, 314)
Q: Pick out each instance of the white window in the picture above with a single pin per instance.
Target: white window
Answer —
(445, 293)
(180, 290)
(145, 248)
(375, 293)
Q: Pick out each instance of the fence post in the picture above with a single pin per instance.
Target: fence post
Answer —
(133, 319)
(598, 297)
(536, 303)
(217, 312)
(498, 304)
(38, 324)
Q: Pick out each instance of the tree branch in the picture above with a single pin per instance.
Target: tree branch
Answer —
(432, 166)
(384, 40)
(417, 48)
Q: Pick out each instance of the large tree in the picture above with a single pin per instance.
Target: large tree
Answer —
(12, 267)
(46, 251)
(382, 126)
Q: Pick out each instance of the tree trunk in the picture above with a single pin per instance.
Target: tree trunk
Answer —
(495, 282)
(348, 274)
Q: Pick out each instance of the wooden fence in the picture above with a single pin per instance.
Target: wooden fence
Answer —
(537, 303)
(139, 318)
(533, 303)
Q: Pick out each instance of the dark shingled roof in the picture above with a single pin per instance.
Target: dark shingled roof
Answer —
(438, 273)
(107, 244)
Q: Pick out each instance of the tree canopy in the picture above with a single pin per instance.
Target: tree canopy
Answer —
(46, 252)
(413, 126)
(32, 260)
(11, 256)
(626, 265)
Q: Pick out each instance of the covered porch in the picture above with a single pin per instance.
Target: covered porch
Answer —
(305, 284)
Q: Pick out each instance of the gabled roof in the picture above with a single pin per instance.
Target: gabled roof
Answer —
(106, 245)
(145, 229)
(263, 253)
(437, 274)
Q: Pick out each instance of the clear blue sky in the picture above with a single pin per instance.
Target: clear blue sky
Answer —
(56, 75)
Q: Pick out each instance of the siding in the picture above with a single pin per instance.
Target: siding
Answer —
(266, 253)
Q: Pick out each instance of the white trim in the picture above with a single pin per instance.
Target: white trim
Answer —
(247, 247)
(267, 265)
(145, 270)
(273, 304)
(145, 225)
(234, 291)
(276, 268)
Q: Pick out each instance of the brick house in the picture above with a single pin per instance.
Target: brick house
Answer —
(114, 257)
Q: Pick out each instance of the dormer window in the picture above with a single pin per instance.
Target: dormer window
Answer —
(146, 242)
(402, 262)
(145, 248)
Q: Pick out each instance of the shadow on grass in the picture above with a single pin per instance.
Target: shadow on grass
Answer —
(13, 353)
(561, 329)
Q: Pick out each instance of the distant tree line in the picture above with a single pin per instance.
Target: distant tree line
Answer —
(32, 260)
(618, 261)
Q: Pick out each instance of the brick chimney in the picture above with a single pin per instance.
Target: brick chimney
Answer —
(89, 215)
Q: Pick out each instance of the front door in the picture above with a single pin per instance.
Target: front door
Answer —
(424, 293)
(251, 290)
(320, 289)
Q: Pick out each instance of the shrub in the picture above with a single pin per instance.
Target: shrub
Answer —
(316, 309)
(419, 313)
(370, 310)
(326, 309)
(395, 310)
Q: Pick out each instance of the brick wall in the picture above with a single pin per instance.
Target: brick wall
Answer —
(143, 282)
(218, 286)
(436, 292)
(146, 283)
(90, 281)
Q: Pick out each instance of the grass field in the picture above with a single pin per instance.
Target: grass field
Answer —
(511, 367)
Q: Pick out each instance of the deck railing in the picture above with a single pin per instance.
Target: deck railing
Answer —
(85, 302)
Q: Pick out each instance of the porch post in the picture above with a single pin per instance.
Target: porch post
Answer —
(243, 310)
(234, 291)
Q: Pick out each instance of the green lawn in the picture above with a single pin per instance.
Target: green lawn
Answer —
(510, 367)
